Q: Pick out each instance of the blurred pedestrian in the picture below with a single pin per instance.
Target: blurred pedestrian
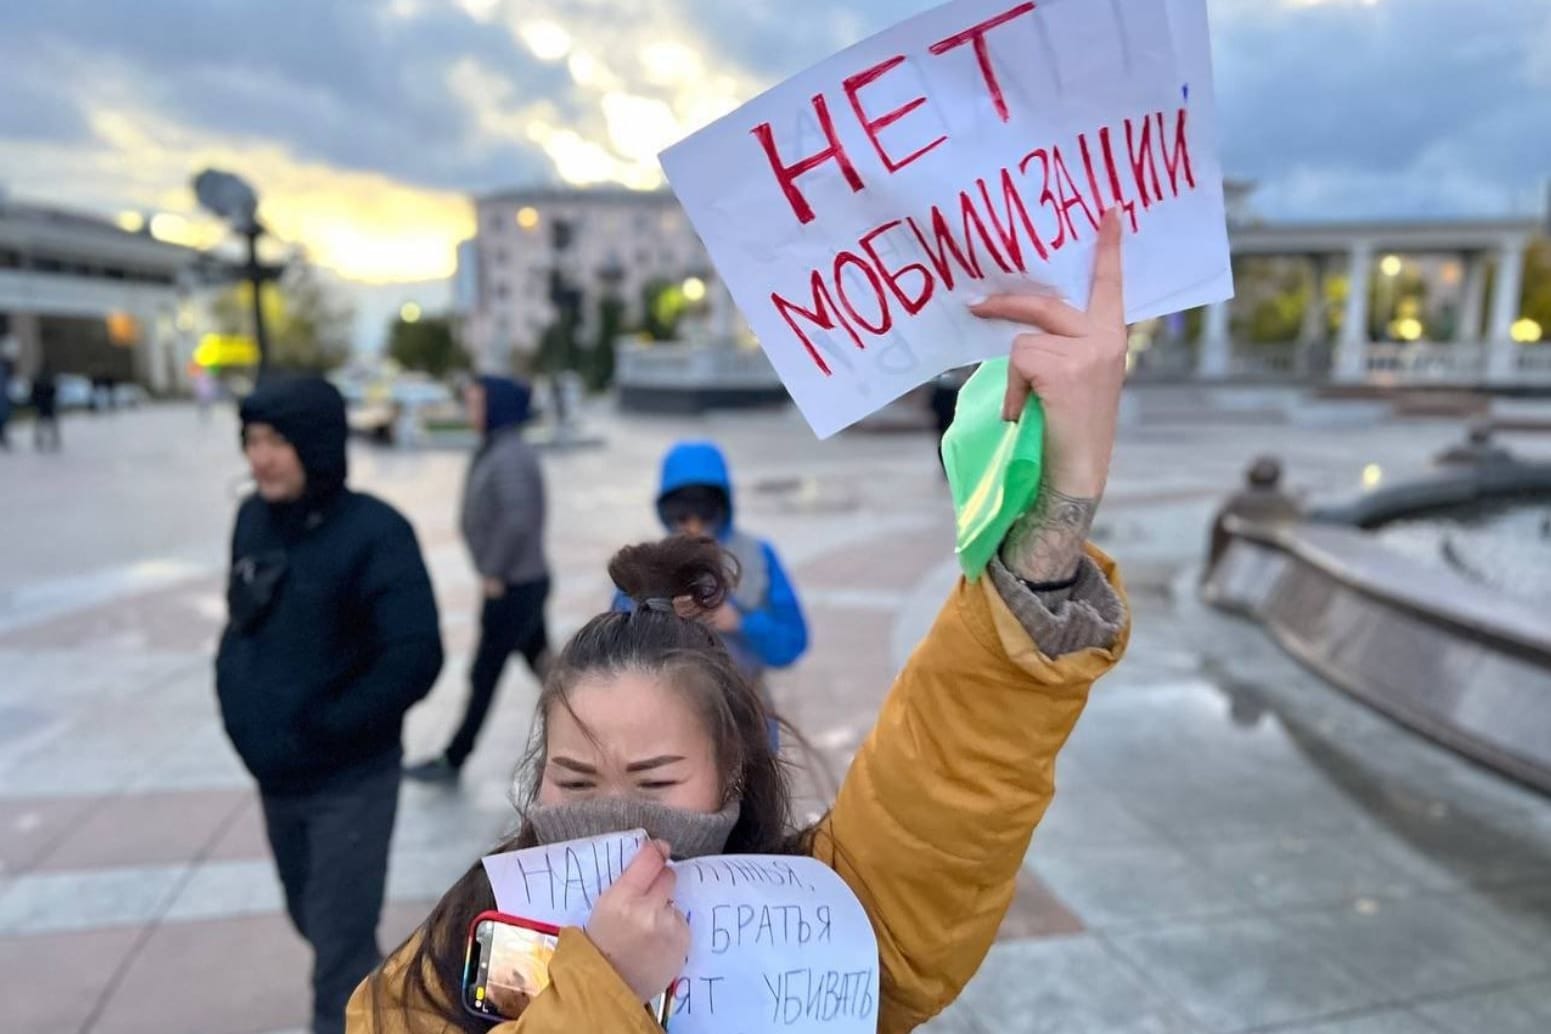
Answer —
(503, 526)
(206, 390)
(761, 622)
(332, 637)
(1262, 500)
(944, 403)
(5, 401)
(45, 411)
(97, 399)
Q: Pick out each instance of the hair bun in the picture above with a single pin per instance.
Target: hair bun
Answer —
(679, 567)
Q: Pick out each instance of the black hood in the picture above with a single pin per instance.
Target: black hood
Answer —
(508, 403)
(310, 413)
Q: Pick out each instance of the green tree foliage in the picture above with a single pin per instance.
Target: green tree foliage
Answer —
(558, 350)
(1537, 283)
(309, 329)
(1390, 298)
(428, 345)
(662, 306)
(600, 357)
(1272, 293)
(1278, 318)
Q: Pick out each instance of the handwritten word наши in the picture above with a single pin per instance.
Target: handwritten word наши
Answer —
(585, 873)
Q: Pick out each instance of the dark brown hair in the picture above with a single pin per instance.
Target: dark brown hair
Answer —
(672, 584)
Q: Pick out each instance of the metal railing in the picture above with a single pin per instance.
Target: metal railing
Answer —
(681, 364)
(1265, 360)
(1533, 362)
(1162, 362)
(1426, 361)
(1386, 362)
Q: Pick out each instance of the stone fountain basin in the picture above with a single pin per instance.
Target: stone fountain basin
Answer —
(1439, 649)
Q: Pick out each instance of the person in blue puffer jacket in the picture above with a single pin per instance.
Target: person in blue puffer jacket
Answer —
(762, 624)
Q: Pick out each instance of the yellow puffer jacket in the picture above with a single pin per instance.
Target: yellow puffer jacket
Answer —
(929, 829)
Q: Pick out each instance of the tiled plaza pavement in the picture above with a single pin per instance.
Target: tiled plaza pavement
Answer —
(1234, 846)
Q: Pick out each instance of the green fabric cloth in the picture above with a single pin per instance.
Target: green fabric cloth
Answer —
(993, 466)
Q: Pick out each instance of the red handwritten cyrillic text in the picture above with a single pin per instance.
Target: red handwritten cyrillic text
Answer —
(824, 315)
(786, 175)
(1116, 191)
(976, 35)
(1047, 197)
(1007, 231)
(1181, 154)
(874, 284)
(913, 303)
(865, 289)
(874, 126)
(1142, 161)
(1071, 197)
(946, 246)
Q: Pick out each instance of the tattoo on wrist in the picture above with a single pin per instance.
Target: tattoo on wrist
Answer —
(1046, 544)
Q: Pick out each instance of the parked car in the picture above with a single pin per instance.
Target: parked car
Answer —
(128, 396)
(75, 391)
(418, 389)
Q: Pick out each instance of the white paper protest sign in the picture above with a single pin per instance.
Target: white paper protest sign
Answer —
(855, 209)
(777, 943)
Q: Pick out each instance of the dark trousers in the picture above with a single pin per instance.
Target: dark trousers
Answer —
(46, 427)
(512, 624)
(331, 848)
(945, 402)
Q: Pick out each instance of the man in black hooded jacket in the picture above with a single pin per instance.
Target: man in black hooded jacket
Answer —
(332, 637)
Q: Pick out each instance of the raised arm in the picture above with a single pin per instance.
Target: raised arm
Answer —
(936, 813)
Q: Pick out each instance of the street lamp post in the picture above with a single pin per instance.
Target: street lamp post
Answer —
(231, 198)
(566, 301)
(255, 274)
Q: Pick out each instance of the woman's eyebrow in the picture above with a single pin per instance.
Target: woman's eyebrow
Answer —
(651, 763)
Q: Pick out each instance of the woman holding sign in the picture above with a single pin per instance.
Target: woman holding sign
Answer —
(644, 722)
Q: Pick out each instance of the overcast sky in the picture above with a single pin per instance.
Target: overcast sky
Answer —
(366, 123)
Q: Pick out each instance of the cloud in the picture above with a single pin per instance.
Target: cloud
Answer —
(1383, 107)
(350, 84)
(364, 225)
(1338, 108)
(366, 123)
(773, 39)
(31, 106)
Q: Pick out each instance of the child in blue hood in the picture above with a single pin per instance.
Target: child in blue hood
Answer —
(762, 625)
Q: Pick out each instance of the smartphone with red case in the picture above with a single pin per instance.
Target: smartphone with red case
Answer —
(506, 966)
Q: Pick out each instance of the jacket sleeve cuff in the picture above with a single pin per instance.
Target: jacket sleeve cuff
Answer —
(1089, 614)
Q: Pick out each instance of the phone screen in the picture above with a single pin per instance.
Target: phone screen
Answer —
(506, 968)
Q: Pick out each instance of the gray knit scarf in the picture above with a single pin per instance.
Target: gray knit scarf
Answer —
(691, 834)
